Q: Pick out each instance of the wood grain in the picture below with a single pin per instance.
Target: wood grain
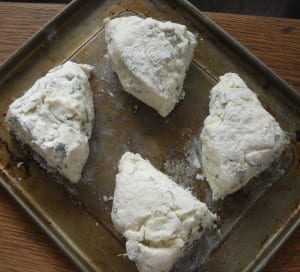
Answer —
(23, 246)
(18, 22)
(275, 41)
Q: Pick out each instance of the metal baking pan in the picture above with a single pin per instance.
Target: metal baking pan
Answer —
(254, 221)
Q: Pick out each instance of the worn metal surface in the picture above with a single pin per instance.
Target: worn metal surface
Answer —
(254, 221)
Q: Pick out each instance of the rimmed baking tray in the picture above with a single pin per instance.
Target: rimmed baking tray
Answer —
(254, 221)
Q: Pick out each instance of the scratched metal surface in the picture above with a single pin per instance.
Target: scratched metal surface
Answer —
(257, 217)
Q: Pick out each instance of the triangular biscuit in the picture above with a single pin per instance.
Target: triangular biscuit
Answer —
(240, 139)
(150, 58)
(55, 118)
(156, 216)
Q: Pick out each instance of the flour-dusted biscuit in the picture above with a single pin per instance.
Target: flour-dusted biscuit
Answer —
(240, 139)
(150, 58)
(55, 118)
(155, 215)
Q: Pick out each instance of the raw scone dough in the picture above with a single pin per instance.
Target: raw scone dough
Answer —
(239, 139)
(55, 118)
(156, 216)
(150, 58)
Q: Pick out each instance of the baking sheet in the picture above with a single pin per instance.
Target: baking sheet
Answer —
(77, 216)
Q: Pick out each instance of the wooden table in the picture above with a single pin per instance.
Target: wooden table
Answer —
(23, 246)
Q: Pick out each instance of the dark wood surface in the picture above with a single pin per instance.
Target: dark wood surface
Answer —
(275, 8)
(23, 246)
